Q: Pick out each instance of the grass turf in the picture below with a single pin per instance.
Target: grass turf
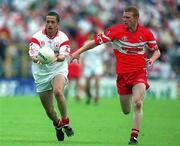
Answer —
(23, 123)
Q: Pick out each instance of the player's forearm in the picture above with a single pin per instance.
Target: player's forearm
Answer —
(87, 46)
(60, 58)
(155, 55)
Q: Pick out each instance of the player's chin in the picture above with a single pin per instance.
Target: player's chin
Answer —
(126, 25)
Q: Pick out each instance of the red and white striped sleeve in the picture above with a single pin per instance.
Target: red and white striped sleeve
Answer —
(34, 47)
(106, 36)
(151, 42)
(64, 45)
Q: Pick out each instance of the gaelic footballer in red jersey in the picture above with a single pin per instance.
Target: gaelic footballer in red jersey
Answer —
(130, 50)
(130, 41)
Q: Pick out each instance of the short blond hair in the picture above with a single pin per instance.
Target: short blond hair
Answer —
(132, 9)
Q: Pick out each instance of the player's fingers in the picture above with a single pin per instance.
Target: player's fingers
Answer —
(147, 60)
(54, 60)
(70, 58)
(78, 60)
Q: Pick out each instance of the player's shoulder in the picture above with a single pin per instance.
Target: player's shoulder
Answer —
(63, 35)
(143, 28)
(38, 34)
(117, 26)
(115, 29)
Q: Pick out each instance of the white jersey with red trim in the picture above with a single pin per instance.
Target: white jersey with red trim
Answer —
(60, 45)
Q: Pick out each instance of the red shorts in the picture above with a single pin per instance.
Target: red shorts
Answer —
(74, 71)
(126, 81)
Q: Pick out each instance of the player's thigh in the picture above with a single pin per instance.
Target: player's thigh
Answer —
(59, 81)
(97, 78)
(125, 101)
(138, 91)
(46, 98)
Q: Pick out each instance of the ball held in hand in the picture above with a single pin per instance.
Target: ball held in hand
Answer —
(46, 55)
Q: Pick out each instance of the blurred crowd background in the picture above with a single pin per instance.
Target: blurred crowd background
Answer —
(20, 19)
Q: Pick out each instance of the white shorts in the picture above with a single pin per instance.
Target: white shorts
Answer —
(45, 86)
(43, 75)
(93, 70)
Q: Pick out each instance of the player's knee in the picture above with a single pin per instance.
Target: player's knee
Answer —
(138, 104)
(58, 93)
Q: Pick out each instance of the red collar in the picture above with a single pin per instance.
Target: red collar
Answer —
(50, 37)
(135, 30)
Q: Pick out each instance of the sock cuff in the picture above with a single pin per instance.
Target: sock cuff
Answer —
(65, 121)
(58, 123)
(134, 129)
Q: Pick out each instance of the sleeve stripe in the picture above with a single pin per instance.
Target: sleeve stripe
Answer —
(34, 40)
(152, 42)
(104, 36)
(65, 43)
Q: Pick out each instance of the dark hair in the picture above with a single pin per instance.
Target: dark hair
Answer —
(54, 13)
(132, 9)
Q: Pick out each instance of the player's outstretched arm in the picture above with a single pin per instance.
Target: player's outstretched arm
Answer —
(90, 44)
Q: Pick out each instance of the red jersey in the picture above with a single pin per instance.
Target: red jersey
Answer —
(129, 48)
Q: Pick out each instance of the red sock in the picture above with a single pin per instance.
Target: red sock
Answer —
(58, 123)
(65, 121)
(134, 133)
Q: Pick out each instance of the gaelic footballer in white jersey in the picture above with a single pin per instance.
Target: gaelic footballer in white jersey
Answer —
(43, 73)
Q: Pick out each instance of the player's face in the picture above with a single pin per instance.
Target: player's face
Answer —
(129, 20)
(51, 25)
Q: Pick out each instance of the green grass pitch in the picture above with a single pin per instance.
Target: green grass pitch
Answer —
(23, 123)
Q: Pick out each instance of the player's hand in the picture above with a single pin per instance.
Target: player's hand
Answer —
(61, 57)
(74, 56)
(149, 61)
(54, 60)
(36, 60)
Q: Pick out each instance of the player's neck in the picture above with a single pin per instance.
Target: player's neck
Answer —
(51, 34)
(133, 28)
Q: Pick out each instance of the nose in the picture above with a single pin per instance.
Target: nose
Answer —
(124, 19)
(50, 24)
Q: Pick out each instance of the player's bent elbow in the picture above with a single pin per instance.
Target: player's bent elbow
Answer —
(58, 94)
(158, 53)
